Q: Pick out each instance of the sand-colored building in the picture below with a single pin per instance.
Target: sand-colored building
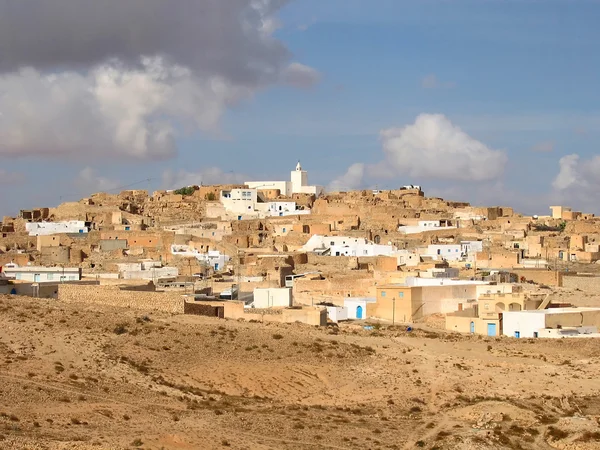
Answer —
(485, 316)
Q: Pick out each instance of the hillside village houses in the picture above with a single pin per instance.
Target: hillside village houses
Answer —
(394, 256)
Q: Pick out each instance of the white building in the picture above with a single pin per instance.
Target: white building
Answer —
(47, 228)
(146, 270)
(471, 247)
(425, 225)
(562, 322)
(213, 258)
(42, 274)
(282, 208)
(357, 306)
(449, 252)
(298, 184)
(337, 313)
(272, 297)
(347, 246)
(241, 201)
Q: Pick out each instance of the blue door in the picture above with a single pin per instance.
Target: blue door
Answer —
(359, 312)
(472, 327)
(517, 334)
(216, 266)
(36, 278)
(491, 329)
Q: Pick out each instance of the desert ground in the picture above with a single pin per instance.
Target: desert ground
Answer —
(93, 377)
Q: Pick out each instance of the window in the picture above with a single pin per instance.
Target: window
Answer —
(283, 229)
(383, 293)
(401, 294)
(50, 276)
(332, 243)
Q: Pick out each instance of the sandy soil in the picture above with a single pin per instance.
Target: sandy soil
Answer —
(76, 377)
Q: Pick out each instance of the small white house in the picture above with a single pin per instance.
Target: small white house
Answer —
(47, 228)
(272, 297)
(42, 274)
(564, 322)
(337, 313)
(448, 252)
(357, 306)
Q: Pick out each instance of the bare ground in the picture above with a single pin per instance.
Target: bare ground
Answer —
(77, 377)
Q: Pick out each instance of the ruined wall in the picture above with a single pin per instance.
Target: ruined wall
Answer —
(114, 296)
(308, 292)
(540, 276)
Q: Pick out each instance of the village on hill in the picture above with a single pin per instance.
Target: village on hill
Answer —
(278, 315)
(286, 251)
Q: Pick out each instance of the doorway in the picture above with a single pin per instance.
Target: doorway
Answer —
(491, 329)
(359, 312)
(472, 327)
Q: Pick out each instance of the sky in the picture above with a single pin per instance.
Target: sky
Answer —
(494, 102)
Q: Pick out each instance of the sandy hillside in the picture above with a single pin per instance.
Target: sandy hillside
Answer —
(75, 377)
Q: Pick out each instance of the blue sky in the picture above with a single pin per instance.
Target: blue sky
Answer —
(513, 75)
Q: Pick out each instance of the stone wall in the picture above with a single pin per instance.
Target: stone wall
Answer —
(200, 309)
(540, 276)
(584, 283)
(115, 296)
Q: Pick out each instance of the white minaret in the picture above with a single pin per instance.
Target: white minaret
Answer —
(299, 179)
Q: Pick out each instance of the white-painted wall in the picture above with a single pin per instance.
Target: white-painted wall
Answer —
(272, 297)
(422, 226)
(447, 252)
(47, 228)
(337, 313)
(525, 322)
(213, 258)
(42, 274)
(285, 187)
(352, 303)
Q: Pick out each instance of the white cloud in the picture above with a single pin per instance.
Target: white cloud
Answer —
(111, 110)
(569, 174)
(132, 81)
(351, 180)
(578, 182)
(210, 175)
(88, 180)
(431, 81)
(543, 147)
(300, 76)
(434, 148)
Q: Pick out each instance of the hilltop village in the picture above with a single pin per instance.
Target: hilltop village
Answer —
(286, 251)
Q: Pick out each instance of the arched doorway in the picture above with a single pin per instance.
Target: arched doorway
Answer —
(359, 312)
(514, 307)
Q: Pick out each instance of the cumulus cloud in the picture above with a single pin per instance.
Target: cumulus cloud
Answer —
(569, 173)
(207, 176)
(577, 182)
(351, 180)
(543, 147)
(433, 147)
(88, 180)
(125, 77)
(431, 81)
(299, 75)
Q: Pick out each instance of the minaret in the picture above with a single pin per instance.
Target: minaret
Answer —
(299, 179)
